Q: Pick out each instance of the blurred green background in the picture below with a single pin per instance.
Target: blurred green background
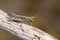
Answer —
(46, 13)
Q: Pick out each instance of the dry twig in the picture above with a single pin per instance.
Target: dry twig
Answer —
(24, 31)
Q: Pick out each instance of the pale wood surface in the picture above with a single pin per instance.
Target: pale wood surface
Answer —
(23, 31)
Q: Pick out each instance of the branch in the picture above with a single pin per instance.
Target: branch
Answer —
(23, 31)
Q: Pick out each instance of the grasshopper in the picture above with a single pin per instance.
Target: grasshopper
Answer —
(22, 19)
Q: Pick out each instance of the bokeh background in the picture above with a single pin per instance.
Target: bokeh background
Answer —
(46, 13)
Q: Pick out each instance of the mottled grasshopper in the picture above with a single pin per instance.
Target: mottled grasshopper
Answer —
(22, 19)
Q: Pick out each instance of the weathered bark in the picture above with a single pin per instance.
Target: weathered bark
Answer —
(23, 31)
